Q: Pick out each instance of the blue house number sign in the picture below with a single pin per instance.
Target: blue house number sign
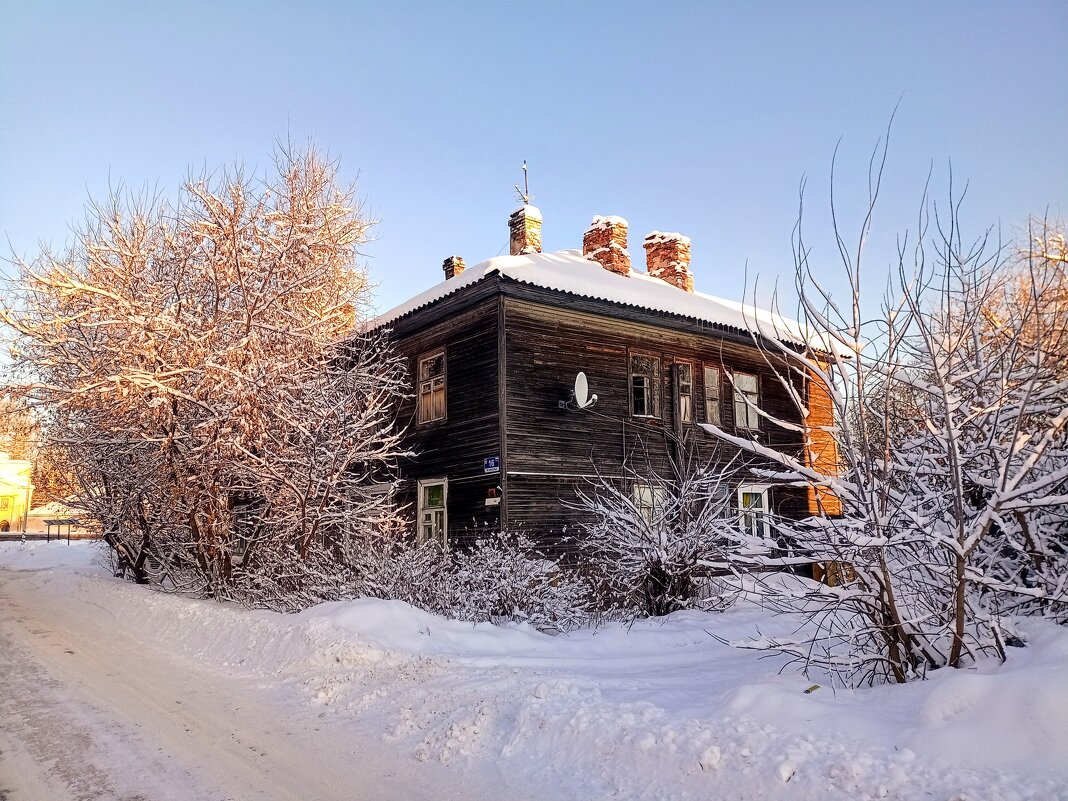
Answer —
(491, 464)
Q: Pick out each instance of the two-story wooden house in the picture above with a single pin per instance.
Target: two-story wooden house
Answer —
(494, 351)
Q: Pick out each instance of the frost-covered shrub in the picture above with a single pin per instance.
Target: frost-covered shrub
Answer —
(649, 550)
(501, 578)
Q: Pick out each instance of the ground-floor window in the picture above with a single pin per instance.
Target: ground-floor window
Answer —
(649, 499)
(753, 509)
(433, 517)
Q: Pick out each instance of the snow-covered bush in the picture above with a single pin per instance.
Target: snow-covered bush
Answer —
(502, 577)
(650, 542)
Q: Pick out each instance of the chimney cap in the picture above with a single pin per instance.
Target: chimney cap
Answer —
(607, 221)
(667, 236)
(526, 210)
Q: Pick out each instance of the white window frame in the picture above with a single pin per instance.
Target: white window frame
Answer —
(648, 498)
(652, 384)
(760, 524)
(746, 415)
(713, 394)
(428, 388)
(425, 516)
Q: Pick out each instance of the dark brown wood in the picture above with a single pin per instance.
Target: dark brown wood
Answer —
(455, 447)
(512, 353)
(502, 405)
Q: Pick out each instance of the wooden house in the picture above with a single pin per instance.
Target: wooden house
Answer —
(494, 352)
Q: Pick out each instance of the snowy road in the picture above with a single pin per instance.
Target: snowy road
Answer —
(115, 692)
(88, 712)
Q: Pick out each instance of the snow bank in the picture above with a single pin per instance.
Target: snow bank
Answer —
(660, 709)
(45, 555)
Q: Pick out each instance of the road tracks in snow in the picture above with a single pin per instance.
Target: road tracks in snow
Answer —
(88, 712)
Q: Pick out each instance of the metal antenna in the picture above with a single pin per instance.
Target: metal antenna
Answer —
(524, 193)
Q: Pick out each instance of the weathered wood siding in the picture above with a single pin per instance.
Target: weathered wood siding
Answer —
(553, 450)
(512, 353)
(456, 446)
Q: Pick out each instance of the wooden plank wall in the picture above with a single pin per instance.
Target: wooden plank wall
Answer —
(456, 446)
(552, 450)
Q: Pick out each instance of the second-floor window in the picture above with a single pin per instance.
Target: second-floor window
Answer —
(713, 414)
(684, 390)
(432, 387)
(644, 385)
(746, 401)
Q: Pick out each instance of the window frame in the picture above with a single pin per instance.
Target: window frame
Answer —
(748, 406)
(718, 399)
(677, 393)
(653, 390)
(656, 494)
(426, 387)
(441, 536)
(761, 527)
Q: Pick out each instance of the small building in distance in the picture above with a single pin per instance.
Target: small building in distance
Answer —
(494, 351)
(16, 492)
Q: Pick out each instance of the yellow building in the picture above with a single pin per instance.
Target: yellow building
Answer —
(16, 492)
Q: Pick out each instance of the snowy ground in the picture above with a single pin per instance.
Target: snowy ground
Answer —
(111, 691)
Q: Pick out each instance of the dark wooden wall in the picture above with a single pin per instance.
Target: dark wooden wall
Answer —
(456, 446)
(551, 451)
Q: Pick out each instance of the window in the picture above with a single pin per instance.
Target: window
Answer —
(684, 391)
(432, 387)
(644, 384)
(648, 499)
(712, 407)
(433, 519)
(753, 509)
(746, 401)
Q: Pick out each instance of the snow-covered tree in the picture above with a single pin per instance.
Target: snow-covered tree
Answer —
(19, 429)
(1032, 549)
(199, 365)
(948, 431)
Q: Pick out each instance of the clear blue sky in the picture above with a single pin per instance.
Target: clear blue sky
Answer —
(693, 117)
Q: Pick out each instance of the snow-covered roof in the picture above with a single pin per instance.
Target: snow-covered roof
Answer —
(571, 272)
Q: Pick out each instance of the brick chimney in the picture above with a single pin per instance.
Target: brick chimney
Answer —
(606, 241)
(667, 257)
(524, 228)
(453, 266)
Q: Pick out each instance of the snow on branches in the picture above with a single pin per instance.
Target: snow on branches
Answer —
(198, 364)
(950, 416)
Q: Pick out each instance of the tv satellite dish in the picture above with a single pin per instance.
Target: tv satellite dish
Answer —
(582, 397)
(582, 391)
